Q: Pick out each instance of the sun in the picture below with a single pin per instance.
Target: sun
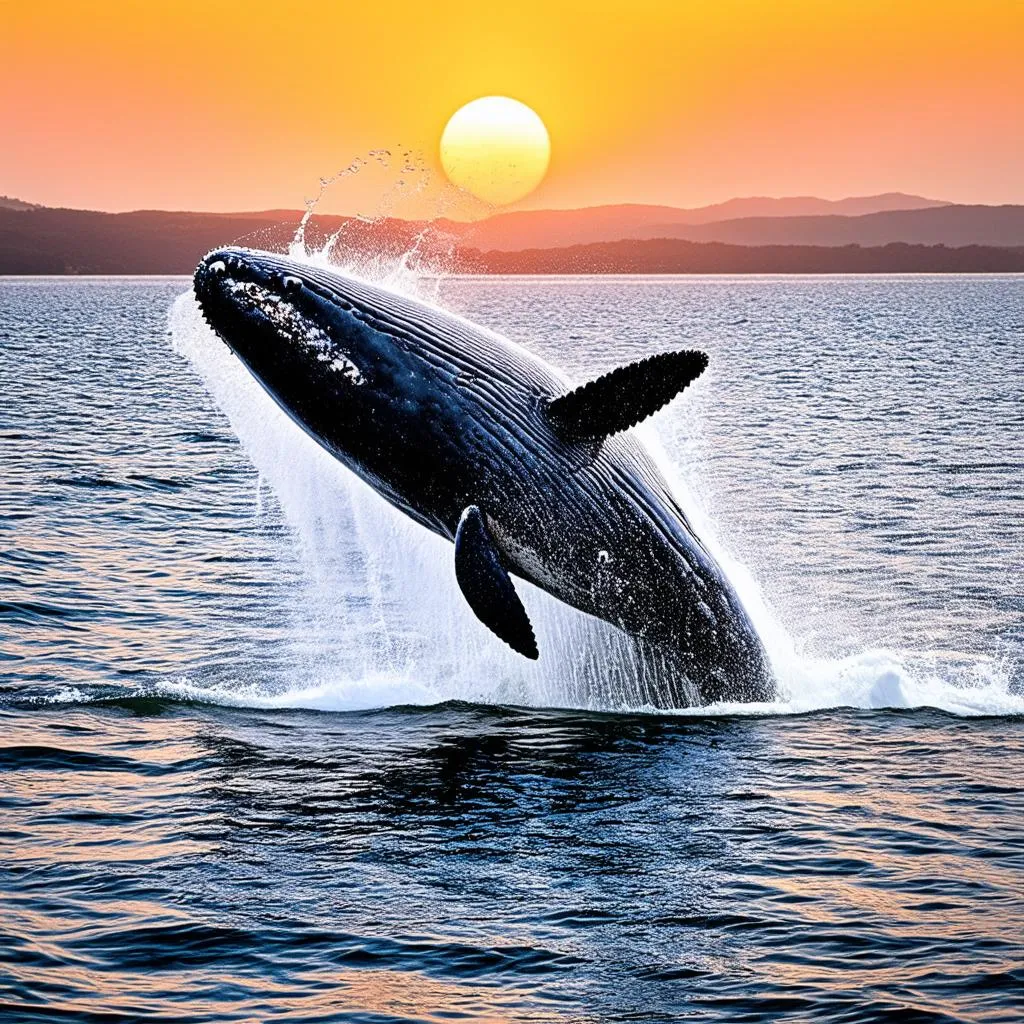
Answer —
(497, 148)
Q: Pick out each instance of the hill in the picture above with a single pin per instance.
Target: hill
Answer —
(40, 240)
(678, 256)
(545, 229)
(9, 203)
(946, 225)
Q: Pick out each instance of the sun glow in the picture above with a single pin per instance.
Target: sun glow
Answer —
(496, 148)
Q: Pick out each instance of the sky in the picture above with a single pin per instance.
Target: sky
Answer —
(242, 106)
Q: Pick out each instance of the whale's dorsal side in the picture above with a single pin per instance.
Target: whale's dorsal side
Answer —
(625, 396)
(487, 587)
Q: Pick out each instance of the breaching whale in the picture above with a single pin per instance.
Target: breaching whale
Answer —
(484, 443)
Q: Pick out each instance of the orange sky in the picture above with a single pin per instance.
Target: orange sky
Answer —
(244, 105)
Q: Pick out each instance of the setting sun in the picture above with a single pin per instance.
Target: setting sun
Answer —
(496, 148)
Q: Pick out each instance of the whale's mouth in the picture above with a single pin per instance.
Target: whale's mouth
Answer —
(235, 293)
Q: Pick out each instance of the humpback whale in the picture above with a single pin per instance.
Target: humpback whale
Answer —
(484, 443)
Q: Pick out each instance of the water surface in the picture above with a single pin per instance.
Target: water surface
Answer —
(259, 761)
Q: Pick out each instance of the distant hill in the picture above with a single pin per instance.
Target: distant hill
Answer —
(49, 241)
(549, 228)
(9, 203)
(41, 240)
(945, 225)
(677, 256)
(810, 206)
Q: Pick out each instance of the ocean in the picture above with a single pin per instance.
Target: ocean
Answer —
(259, 760)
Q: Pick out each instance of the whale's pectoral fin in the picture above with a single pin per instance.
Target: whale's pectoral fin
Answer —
(621, 399)
(486, 584)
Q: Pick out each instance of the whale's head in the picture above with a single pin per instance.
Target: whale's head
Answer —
(337, 353)
(359, 367)
(286, 319)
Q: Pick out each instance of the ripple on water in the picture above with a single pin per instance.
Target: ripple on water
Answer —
(202, 813)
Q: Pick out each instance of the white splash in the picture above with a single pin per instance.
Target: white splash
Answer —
(381, 621)
(381, 614)
(875, 678)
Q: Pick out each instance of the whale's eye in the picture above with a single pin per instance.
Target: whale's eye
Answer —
(218, 268)
(291, 284)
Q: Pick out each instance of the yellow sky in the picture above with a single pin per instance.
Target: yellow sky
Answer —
(233, 106)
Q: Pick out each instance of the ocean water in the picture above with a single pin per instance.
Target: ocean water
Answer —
(258, 761)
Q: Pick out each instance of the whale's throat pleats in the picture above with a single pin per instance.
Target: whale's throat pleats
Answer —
(625, 396)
